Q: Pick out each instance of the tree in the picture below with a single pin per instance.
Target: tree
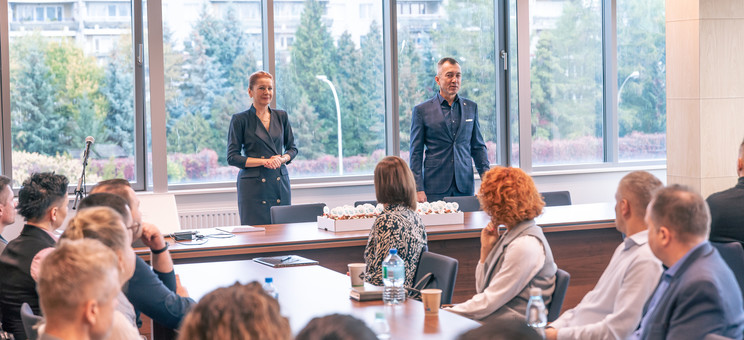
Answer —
(37, 125)
(410, 91)
(118, 89)
(311, 55)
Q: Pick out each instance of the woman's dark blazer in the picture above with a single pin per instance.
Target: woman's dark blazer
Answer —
(260, 188)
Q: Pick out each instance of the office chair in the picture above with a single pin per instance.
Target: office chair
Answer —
(555, 198)
(296, 213)
(562, 278)
(443, 270)
(467, 203)
(30, 320)
(733, 254)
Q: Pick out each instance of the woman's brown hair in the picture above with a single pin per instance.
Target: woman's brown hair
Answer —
(394, 183)
(509, 196)
(101, 223)
(236, 312)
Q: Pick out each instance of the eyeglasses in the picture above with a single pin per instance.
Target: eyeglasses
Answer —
(134, 226)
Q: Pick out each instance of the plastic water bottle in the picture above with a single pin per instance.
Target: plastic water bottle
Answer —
(536, 316)
(380, 326)
(393, 276)
(270, 289)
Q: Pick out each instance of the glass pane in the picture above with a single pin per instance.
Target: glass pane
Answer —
(513, 85)
(462, 29)
(641, 66)
(62, 90)
(209, 52)
(331, 68)
(566, 81)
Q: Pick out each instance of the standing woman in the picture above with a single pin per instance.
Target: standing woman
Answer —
(260, 142)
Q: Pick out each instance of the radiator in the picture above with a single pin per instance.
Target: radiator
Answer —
(197, 219)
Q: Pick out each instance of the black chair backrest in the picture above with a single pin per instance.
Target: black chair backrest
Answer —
(555, 198)
(562, 278)
(733, 254)
(358, 203)
(30, 320)
(443, 270)
(467, 203)
(296, 213)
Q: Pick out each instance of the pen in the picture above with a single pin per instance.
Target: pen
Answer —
(286, 259)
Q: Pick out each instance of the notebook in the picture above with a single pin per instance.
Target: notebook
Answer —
(285, 261)
(367, 293)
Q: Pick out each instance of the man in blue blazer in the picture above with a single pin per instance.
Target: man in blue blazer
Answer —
(697, 294)
(445, 136)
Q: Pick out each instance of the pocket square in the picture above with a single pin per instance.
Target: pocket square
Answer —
(469, 120)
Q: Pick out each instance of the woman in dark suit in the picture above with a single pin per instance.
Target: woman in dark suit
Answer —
(260, 142)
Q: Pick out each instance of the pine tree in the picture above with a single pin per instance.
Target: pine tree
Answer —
(118, 89)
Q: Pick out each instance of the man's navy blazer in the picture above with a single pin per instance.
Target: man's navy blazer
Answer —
(703, 298)
(437, 155)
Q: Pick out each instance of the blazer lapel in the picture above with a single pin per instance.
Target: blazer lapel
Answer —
(261, 132)
(464, 109)
(438, 108)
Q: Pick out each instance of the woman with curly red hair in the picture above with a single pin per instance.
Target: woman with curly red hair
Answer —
(513, 261)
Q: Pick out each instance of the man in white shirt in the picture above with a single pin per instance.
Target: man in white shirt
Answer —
(614, 307)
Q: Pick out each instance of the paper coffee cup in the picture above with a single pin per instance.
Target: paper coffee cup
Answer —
(356, 271)
(432, 299)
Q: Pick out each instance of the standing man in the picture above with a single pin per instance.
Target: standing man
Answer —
(7, 208)
(697, 294)
(727, 209)
(613, 308)
(445, 136)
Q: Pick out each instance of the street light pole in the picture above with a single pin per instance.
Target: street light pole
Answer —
(338, 118)
(633, 75)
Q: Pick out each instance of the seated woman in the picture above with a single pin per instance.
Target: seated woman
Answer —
(110, 228)
(399, 226)
(236, 312)
(514, 261)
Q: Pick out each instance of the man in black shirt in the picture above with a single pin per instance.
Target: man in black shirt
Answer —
(727, 209)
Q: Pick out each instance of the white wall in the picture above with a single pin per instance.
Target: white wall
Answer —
(590, 187)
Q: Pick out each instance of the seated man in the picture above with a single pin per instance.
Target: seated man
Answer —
(151, 291)
(78, 284)
(698, 294)
(727, 209)
(42, 201)
(7, 208)
(613, 308)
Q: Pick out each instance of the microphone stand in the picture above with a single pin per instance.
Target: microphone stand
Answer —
(80, 190)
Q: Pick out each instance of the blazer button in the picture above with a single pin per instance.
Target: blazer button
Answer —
(263, 202)
(263, 179)
(278, 201)
(278, 178)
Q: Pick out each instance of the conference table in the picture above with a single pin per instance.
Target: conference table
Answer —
(306, 292)
(582, 238)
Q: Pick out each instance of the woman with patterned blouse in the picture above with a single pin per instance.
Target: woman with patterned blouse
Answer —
(399, 226)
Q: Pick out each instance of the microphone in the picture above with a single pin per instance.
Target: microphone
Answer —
(88, 142)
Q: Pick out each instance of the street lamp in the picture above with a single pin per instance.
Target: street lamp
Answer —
(338, 118)
(633, 75)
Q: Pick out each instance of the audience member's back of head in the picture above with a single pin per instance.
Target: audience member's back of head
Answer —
(40, 192)
(501, 330)
(116, 186)
(237, 312)
(76, 274)
(336, 327)
(682, 210)
(640, 186)
(101, 223)
(104, 199)
(394, 182)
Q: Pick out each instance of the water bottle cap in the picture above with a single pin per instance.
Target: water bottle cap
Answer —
(535, 292)
(393, 251)
(268, 280)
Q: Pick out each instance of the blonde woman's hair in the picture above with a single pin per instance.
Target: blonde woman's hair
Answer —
(237, 312)
(101, 223)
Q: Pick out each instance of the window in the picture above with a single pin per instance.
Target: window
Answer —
(333, 70)
(61, 91)
(641, 80)
(464, 30)
(208, 58)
